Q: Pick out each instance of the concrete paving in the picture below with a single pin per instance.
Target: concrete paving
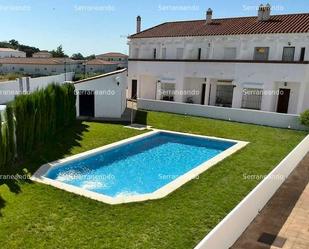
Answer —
(286, 216)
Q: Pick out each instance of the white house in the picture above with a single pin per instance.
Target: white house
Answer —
(42, 54)
(39, 66)
(9, 52)
(259, 62)
(102, 96)
(121, 59)
(100, 66)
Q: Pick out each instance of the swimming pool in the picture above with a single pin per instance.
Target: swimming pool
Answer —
(147, 166)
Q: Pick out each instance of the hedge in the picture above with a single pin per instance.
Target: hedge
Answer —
(30, 120)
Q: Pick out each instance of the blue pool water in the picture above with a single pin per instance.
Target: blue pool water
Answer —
(139, 167)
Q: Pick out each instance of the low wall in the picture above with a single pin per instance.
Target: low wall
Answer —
(232, 114)
(225, 234)
(8, 89)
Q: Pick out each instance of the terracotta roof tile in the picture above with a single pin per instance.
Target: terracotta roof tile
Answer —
(100, 62)
(291, 23)
(36, 61)
(112, 54)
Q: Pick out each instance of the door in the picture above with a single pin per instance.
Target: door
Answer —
(203, 94)
(134, 89)
(86, 103)
(302, 54)
(283, 100)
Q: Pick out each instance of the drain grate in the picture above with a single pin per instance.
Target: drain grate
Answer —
(272, 240)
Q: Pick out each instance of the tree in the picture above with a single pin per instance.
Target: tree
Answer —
(77, 56)
(21, 47)
(58, 52)
(90, 57)
(14, 43)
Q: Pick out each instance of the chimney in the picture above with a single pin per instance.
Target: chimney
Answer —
(138, 24)
(264, 12)
(261, 12)
(208, 15)
(267, 12)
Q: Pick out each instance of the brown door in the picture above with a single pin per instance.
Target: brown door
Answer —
(283, 100)
(203, 94)
(134, 89)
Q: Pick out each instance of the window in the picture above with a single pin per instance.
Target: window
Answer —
(302, 54)
(261, 53)
(288, 53)
(252, 98)
(167, 91)
(21, 69)
(229, 53)
(224, 95)
(199, 54)
(154, 53)
(163, 53)
(179, 53)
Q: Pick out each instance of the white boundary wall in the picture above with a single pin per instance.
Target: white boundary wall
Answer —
(225, 234)
(232, 114)
(8, 89)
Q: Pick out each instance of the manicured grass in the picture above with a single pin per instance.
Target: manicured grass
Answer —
(39, 216)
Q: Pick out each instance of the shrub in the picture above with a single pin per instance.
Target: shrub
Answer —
(304, 118)
(30, 120)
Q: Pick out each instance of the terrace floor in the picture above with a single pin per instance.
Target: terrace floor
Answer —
(285, 216)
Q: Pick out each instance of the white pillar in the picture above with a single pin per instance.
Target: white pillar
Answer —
(207, 91)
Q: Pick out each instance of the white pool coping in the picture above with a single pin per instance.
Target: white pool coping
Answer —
(158, 194)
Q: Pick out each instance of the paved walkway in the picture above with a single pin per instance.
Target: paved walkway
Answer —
(286, 216)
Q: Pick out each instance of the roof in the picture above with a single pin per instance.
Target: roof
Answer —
(42, 52)
(290, 23)
(9, 50)
(113, 54)
(101, 76)
(100, 62)
(36, 61)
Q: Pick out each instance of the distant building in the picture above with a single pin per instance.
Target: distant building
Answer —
(9, 52)
(121, 59)
(39, 66)
(100, 66)
(42, 54)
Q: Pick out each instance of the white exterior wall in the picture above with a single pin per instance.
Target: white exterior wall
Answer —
(213, 46)
(101, 68)
(8, 89)
(106, 105)
(267, 76)
(5, 54)
(36, 69)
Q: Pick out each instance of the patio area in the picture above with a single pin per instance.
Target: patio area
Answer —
(284, 222)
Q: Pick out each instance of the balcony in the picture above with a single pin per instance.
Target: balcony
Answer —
(222, 60)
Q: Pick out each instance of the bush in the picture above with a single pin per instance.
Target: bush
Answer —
(304, 118)
(30, 120)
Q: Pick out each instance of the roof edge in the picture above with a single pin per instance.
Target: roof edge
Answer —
(101, 76)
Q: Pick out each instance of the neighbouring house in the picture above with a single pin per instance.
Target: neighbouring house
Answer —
(9, 52)
(42, 54)
(121, 59)
(100, 66)
(39, 66)
(259, 62)
(102, 96)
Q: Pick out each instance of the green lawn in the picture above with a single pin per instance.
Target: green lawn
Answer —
(39, 216)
